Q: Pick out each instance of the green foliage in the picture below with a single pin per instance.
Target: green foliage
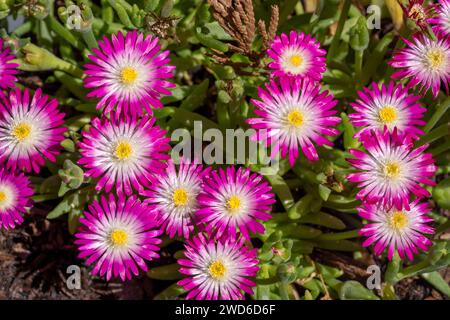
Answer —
(316, 205)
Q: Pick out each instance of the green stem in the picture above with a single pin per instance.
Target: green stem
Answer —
(434, 135)
(61, 31)
(107, 12)
(339, 29)
(339, 235)
(89, 38)
(412, 270)
(267, 281)
(440, 149)
(121, 13)
(71, 83)
(23, 29)
(284, 291)
(358, 66)
(440, 111)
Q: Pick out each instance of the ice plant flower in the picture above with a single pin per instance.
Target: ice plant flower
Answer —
(124, 152)
(15, 193)
(129, 73)
(294, 114)
(418, 12)
(398, 230)
(391, 170)
(30, 130)
(8, 70)
(118, 235)
(388, 106)
(441, 22)
(425, 61)
(218, 269)
(173, 197)
(297, 55)
(233, 200)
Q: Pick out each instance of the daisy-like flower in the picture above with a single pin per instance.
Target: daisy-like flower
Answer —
(124, 152)
(389, 106)
(426, 62)
(297, 55)
(173, 197)
(128, 73)
(15, 193)
(397, 230)
(391, 170)
(218, 269)
(232, 200)
(441, 22)
(8, 70)
(418, 12)
(294, 113)
(30, 130)
(118, 235)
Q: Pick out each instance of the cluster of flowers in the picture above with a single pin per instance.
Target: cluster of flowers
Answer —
(215, 211)
(391, 171)
(144, 193)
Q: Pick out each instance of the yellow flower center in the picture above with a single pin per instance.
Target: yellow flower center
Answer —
(398, 220)
(2, 197)
(417, 12)
(123, 150)
(217, 270)
(234, 203)
(180, 197)
(392, 170)
(436, 58)
(295, 118)
(387, 114)
(21, 131)
(296, 60)
(128, 75)
(119, 237)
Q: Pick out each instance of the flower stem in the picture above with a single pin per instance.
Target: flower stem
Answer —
(412, 270)
(89, 38)
(358, 66)
(437, 115)
(339, 235)
(337, 36)
(440, 148)
(284, 290)
(61, 31)
(434, 135)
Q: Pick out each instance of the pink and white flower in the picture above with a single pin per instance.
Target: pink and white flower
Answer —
(124, 152)
(425, 62)
(294, 113)
(218, 269)
(8, 69)
(388, 106)
(233, 201)
(15, 198)
(297, 54)
(128, 73)
(397, 230)
(391, 170)
(30, 130)
(173, 197)
(118, 236)
(441, 21)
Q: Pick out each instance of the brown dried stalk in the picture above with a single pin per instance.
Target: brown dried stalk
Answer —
(237, 18)
(269, 35)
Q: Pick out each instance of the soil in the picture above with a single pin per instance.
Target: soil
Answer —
(34, 259)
